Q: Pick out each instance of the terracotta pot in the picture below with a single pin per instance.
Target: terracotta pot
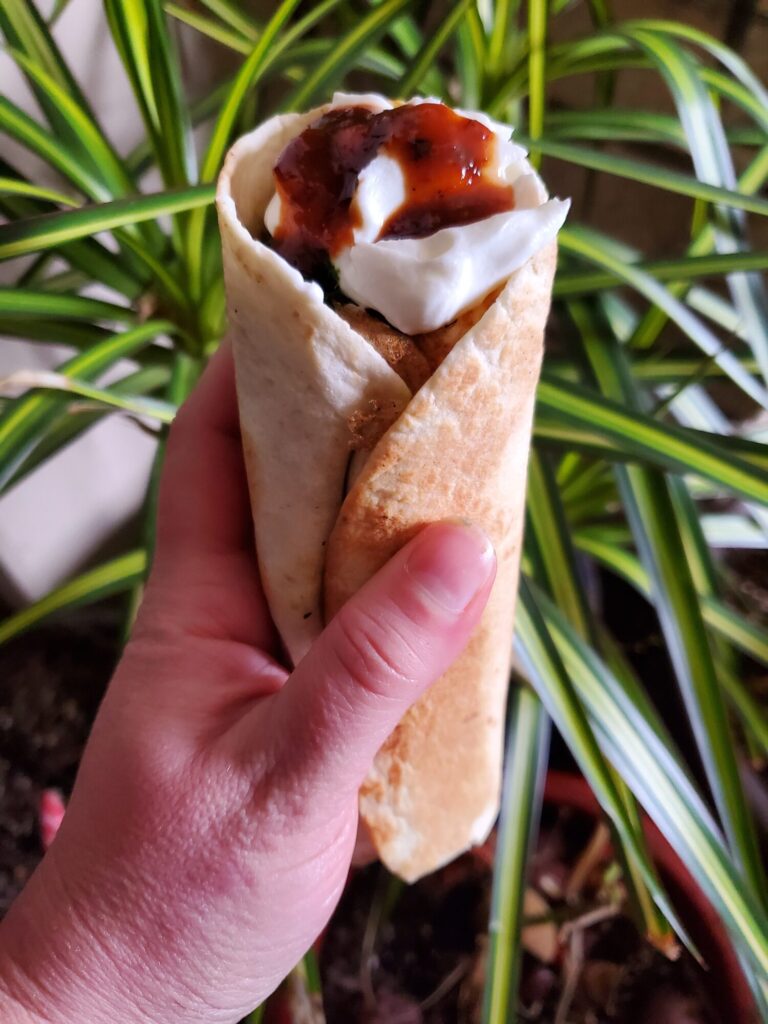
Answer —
(725, 980)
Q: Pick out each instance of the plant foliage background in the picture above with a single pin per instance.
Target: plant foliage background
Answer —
(648, 458)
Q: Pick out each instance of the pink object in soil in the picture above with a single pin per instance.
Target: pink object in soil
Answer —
(51, 814)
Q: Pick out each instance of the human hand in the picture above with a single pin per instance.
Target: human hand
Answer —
(210, 831)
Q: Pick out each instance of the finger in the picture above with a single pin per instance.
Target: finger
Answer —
(203, 504)
(205, 572)
(382, 650)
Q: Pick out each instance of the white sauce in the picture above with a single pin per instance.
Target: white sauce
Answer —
(420, 284)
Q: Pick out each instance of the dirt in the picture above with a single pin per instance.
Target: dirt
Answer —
(416, 955)
(51, 682)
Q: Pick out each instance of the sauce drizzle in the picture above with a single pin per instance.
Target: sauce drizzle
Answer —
(442, 155)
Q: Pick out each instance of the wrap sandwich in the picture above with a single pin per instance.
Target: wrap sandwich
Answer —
(388, 270)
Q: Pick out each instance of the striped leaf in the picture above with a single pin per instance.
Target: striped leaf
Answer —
(48, 380)
(649, 507)
(713, 163)
(570, 414)
(543, 667)
(114, 577)
(632, 742)
(148, 55)
(77, 418)
(54, 229)
(24, 424)
(610, 255)
(648, 174)
(525, 765)
(433, 44)
(584, 282)
(366, 31)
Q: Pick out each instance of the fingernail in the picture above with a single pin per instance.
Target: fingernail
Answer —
(451, 562)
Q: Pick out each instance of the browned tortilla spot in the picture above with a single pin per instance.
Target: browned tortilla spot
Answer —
(397, 348)
(368, 426)
(435, 345)
(414, 359)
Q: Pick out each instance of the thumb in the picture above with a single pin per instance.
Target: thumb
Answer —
(394, 638)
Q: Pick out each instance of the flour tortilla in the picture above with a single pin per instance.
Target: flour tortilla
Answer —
(304, 378)
(457, 448)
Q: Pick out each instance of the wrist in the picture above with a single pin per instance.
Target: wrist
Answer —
(14, 1008)
(51, 970)
(19, 1000)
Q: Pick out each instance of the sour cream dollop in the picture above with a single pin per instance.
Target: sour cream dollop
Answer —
(421, 283)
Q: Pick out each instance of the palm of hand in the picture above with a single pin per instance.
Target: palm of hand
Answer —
(214, 817)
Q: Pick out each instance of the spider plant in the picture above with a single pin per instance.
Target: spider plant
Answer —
(636, 470)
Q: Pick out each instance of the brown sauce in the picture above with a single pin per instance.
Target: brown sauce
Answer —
(442, 156)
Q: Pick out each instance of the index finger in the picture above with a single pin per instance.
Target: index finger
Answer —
(203, 504)
(205, 562)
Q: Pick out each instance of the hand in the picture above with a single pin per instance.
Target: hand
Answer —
(210, 831)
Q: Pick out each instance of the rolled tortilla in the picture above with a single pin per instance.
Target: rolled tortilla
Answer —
(458, 447)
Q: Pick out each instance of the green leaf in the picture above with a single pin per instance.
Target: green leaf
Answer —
(424, 60)
(617, 124)
(366, 31)
(149, 57)
(33, 136)
(735, 64)
(548, 675)
(92, 141)
(583, 282)
(53, 332)
(502, 28)
(58, 9)
(54, 229)
(24, 424)
(537, 78)
(631, 739)
(90, 257)
(636, 436)
(611, 255)
(77, 418)
(649, 506)
(745, 635)
(26, 32)
(470, 59)
(114, 577)
(648, 174)
(654, 320)
(712, 160)
(25, 302)
(137, 405)
(211, 28)
(672, 370)
(548, 531)
(265, 50)
(722, 620)
(233, 15)
(726, 88)
(547, 527)
(752, 714)
(524, 770)
(245, 80)
(89, 159)
(17, 187)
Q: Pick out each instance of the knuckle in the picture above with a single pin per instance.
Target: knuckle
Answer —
(372, 653)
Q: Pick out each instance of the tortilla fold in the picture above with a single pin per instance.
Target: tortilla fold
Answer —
(458, 447)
